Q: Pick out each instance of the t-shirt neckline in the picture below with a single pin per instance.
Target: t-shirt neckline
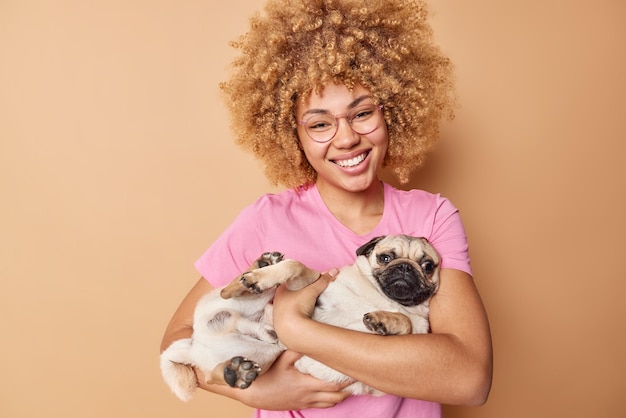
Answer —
(344, 229)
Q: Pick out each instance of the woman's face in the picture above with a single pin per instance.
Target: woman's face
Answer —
(349, 161)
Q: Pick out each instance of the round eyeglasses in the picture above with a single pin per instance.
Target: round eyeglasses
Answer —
(363, 119)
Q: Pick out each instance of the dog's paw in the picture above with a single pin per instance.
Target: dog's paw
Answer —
(241, 372)
(246, 284)
(268, 259)
(374, 324)
(252, 282)
(249, 282)
(387, 323)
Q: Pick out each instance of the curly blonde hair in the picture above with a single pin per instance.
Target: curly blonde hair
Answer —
(297, 47)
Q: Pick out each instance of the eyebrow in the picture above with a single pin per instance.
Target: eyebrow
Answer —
(352, 105)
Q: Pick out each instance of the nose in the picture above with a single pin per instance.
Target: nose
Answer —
(345, 136)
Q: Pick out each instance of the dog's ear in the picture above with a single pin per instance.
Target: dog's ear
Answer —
(366, 249)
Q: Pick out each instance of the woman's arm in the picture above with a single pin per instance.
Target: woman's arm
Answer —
(451, 365)
(181, 324)
(282, 387)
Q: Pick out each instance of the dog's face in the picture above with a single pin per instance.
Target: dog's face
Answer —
(406, 268)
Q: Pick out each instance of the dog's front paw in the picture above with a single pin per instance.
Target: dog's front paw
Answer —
(249, 282)
(387, 323)
(241, 372)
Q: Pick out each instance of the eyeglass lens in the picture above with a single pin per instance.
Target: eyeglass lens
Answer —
(362, 119)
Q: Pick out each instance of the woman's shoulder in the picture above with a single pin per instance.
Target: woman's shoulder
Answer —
(414, 196)
(284, 198)
(277, 207)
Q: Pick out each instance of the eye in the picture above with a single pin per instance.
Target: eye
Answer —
(320, 124)
(362, 113)
(428, 266)
(385, 258)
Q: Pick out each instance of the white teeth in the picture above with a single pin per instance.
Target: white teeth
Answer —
(352, 161)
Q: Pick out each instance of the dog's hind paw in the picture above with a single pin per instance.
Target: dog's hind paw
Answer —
(268, 259)
(241, 372)
(387, 323)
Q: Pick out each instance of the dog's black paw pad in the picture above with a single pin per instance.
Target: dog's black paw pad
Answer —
(268, 259)
(230, 376)
(241, 372)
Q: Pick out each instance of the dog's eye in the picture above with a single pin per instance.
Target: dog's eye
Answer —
(385, 258)
(428, 266)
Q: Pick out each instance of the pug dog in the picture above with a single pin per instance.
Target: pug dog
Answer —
(386, 291)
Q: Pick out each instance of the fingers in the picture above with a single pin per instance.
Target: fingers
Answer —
(288, 359)
(322, 283)
(332, 394)
(322, 394)
(317, 286)
(283, 387)
(329, 399)
(332, 273)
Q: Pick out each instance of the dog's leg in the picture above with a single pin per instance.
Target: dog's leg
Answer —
(387, 323)
(298, 275)
(234, 288)
(176, 369)
(294, 274)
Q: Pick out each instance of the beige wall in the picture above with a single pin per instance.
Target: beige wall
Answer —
(117, 170)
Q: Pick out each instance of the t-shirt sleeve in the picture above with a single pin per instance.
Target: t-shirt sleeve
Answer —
(234, 250)
(449, 238)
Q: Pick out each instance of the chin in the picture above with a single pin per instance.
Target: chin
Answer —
(360, 184)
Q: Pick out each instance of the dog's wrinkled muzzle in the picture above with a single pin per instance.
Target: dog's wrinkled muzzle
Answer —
(404, 284)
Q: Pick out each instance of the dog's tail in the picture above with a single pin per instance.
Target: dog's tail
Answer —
(176, 371)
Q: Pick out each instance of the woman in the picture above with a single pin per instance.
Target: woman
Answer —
(325, 93)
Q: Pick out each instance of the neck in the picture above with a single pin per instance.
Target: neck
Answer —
(359, 211)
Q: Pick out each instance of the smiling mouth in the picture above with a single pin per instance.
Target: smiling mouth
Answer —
(352, 162)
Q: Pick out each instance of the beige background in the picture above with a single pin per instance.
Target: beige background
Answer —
(117, 170)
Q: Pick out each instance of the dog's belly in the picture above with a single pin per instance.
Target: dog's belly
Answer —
(348, 298)
(352, 294)
(224, 328)
(338, 312)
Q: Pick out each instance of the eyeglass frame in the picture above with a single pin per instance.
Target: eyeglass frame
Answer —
(378, 107)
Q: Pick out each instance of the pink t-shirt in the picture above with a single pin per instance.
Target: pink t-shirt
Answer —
(298, 224)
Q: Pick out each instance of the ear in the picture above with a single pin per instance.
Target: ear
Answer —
(366, 249)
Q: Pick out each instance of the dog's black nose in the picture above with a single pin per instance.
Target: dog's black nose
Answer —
(404, 284)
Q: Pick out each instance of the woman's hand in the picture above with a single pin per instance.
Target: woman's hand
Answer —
(283, 387)
(293, 307)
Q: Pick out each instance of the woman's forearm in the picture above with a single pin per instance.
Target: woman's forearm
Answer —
(181, 323)
(452, 365)
(435, 367)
